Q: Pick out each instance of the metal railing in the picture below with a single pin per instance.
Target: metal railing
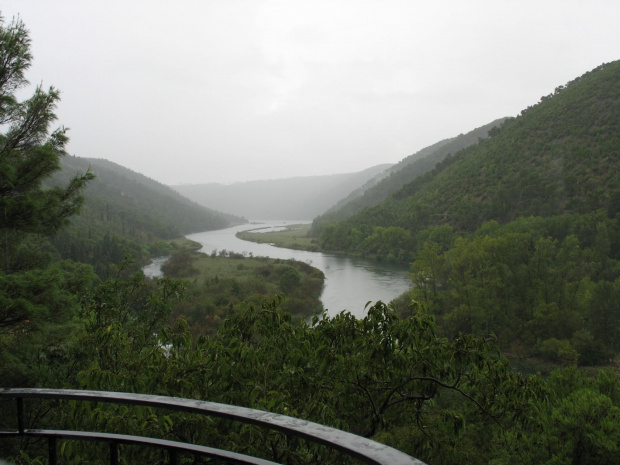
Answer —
(349, 444)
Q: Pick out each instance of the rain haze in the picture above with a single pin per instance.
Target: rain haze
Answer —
(227, 91)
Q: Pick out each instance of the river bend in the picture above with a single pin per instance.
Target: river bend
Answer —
(349, 282)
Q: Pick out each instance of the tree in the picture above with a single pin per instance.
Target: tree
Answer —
(369, 376)
(35, 296)
(29, 153)
(289, 280)
(578, 424)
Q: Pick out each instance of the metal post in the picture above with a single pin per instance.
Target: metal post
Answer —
(114, 453)
(174, 459)
(51, 444)
(20, 415)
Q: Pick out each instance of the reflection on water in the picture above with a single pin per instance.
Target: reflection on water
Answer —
(154, 268)
(350, 282)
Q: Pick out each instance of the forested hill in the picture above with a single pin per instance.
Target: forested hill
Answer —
(559, 156)
(129, 204)
(404, 172)
(299, 198)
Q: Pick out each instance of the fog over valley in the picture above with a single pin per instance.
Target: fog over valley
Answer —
(223, 92)
(388, 227)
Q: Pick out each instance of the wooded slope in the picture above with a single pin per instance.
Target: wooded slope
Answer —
(404, 172)
(560, 155)
(130, 204)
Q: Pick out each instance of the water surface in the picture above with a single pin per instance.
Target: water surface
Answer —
(350, 282)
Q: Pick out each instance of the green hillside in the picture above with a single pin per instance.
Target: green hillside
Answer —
(141, 206)
(126, 212)
(516, 295)
(558, 156)
(402, 173)
(518, 236)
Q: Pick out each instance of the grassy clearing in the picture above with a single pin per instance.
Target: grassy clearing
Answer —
(165, 248)
(183, 243)
(240, 268)
(295, 236)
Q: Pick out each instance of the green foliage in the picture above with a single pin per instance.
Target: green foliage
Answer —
(105, 253)
(131, 205)
(393, 379)
(547, 293)
(558, 351)
(587, 427)
(179, 265)
(29, 153)
(294, 236)
(578, 424)
(367, 376)
(289, 280)
(219, 283)
(604, 313)
(39, 311)
(38, 301)
(123, 319)
(124, 214)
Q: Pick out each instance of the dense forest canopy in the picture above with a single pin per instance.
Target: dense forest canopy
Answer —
(516, 250)
(139, 203)
(126, 213)
(560, 155)
(518, 235)
(401, 174)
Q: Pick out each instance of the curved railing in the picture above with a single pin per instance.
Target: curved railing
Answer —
(347, 443)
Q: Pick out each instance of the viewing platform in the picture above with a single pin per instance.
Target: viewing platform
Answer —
(360, 448)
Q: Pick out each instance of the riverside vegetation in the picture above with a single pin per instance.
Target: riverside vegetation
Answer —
(294, 236)
(519, 234)
(426, 377)
(218, 283)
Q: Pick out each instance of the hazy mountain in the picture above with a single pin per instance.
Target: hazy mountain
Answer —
(299, 198)
(560, 155)
(405, 171)
(129, 204)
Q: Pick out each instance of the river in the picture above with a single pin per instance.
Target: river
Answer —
(349, 282)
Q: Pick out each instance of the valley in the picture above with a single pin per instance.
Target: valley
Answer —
(350, 282)
(386, 307)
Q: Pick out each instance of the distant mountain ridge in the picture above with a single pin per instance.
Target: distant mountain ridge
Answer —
(130, 204)
(559, 156)
(299, 198)
(403, 172)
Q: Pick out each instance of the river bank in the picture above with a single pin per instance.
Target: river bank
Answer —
(293, 236)
(350, 282)
(224, 279)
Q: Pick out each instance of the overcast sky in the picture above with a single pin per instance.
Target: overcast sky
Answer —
(224, 91)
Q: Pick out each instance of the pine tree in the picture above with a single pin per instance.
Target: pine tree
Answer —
(29, 153)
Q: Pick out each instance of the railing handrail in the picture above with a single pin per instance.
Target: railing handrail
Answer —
(113, 438)
(348, 443)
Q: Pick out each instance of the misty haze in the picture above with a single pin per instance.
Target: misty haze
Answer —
(349, 231)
